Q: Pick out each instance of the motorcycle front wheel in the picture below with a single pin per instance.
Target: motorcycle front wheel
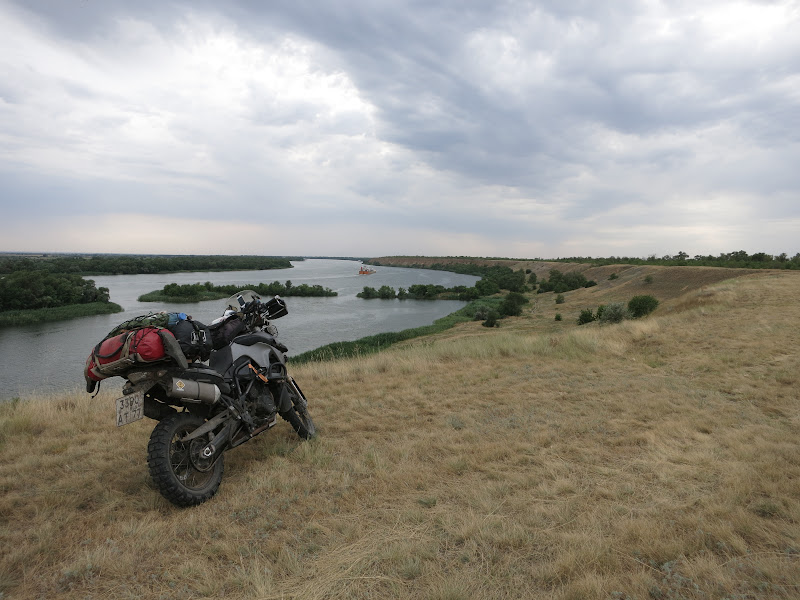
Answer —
(177, 469)
(300, 421)
(297, 415)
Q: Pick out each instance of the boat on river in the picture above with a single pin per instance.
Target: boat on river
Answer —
(366, 271)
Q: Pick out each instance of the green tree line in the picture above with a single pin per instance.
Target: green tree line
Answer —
(733, 260)
(195, 292)
(414, 292)
(431, 292)
(30, 290)
(135, 265)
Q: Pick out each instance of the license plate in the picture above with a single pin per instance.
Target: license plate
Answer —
(130, 408)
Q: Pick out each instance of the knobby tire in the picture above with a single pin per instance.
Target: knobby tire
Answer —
(301, 422)
(173, 469)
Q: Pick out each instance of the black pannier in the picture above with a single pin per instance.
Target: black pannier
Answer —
(276, 308)
(193, 337)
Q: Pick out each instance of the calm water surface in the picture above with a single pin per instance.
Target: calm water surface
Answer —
(50, 357)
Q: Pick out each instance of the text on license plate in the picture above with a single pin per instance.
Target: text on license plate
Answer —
(130, 408)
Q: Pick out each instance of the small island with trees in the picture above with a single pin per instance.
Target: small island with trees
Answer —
(198, 292)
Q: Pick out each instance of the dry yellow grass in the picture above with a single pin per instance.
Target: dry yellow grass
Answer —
(652, 459)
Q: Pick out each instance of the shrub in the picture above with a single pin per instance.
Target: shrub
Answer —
(481, 313)
(639, 306)
(491, 320)
(599, 314)
(512, 304)
(613, 276)
(510, 309)
(558, 316)
(586, 316)
(560, 299)
(613, 313)
(648, 279)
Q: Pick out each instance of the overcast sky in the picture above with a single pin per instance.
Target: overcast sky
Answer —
(366, 127)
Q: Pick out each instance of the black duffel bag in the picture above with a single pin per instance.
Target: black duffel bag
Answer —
(223, 332)
(193, 337)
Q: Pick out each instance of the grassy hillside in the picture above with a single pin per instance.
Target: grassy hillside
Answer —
(651, 459)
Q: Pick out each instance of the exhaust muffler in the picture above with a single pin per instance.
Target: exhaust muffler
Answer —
(193, 391)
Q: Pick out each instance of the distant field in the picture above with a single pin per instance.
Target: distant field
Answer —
(654, 459)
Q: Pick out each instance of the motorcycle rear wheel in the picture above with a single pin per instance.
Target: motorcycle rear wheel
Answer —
(178, 471)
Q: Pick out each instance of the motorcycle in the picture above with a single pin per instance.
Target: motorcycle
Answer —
(205, 410)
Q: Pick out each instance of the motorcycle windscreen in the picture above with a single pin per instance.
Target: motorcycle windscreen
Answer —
(238, 301)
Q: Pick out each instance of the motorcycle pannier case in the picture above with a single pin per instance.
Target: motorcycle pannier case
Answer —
(276, 308)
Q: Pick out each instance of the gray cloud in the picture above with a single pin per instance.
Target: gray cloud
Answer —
(518, 123)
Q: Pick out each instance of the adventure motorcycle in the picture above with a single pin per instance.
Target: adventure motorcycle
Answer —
(204, 410)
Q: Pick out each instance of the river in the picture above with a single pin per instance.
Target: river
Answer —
(50, 357)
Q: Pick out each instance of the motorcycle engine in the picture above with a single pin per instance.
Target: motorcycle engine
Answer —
(260, 402)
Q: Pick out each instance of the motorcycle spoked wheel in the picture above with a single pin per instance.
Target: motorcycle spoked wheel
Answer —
(300, 421)
(298, 416)
(305, 418)
(178, 471)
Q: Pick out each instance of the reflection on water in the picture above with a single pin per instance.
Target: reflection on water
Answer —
(50, 357)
